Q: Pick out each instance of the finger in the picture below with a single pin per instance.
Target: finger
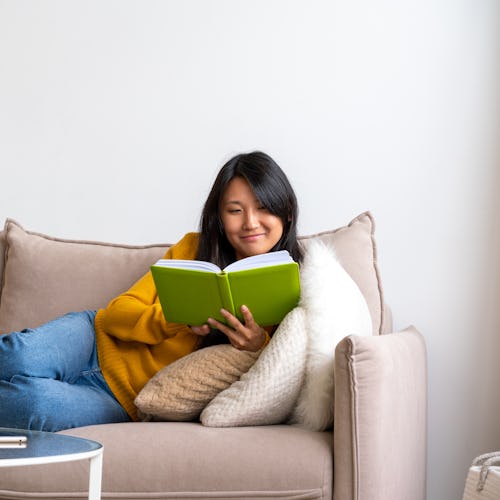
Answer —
(232, 325)
(216, 324)
(201, 330)
(239, 334)
(232, 335)
(231, 319)
(247, 316)
(219, 326)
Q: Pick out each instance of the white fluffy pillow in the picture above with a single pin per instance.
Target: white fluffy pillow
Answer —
(335, 308)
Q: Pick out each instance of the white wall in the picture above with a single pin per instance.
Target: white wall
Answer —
(115, 116)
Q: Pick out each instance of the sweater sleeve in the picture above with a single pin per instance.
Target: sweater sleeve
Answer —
(136, 315)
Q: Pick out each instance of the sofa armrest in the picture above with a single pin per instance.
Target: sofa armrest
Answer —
(380, 429)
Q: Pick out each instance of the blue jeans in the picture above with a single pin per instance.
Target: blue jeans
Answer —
(50, 377)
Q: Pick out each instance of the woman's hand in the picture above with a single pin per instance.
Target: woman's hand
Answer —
(247, 336)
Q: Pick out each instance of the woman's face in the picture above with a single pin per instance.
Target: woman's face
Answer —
(249, 226)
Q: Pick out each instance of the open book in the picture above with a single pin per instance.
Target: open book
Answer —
(191, 291)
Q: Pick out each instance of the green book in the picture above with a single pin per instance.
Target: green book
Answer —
(191, 291)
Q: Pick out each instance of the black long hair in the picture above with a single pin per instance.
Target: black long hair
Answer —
(273, 190)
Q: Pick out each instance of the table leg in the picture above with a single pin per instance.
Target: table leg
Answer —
(95, 477)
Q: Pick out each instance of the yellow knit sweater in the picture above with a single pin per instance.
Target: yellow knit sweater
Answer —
(134, 340)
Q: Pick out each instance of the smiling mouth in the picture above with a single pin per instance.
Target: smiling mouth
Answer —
(251, 237)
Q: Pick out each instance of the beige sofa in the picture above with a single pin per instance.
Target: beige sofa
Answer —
(376, 450)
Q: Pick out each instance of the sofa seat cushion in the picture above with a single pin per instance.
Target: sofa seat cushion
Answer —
(189, 461)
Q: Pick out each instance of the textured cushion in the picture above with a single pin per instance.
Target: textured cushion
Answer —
(182, 389)
(45, 277)
(266, 393)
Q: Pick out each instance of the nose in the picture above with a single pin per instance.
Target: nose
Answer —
(251, 220)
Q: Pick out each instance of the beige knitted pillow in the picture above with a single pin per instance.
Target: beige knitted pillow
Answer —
(182, 389)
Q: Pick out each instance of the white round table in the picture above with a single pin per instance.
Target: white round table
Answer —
(47, 448)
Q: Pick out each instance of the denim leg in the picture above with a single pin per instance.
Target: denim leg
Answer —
(59, 349)
(51, 405)
(50, 377)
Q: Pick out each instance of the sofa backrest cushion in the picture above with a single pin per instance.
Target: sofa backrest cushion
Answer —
(44, 277)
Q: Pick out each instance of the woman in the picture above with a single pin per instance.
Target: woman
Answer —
(87, 368)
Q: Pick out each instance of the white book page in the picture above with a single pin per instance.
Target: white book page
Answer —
(262, 260)
(196, 265)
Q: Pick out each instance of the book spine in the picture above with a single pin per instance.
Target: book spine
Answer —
(225, 293)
